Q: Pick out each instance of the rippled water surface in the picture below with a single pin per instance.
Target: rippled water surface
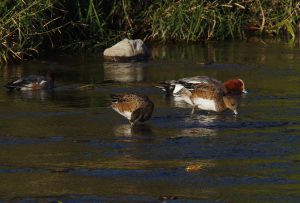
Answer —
(67, 145)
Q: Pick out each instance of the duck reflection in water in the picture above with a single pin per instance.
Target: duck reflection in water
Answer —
(41, 95)
(123, 72)
(211, 120)
(200, 125)
(126, 130)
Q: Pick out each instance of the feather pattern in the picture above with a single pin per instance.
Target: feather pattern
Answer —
(136, 108)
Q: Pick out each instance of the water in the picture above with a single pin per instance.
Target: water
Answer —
(66, 145)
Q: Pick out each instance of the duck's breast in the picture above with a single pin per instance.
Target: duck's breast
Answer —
(124, 108)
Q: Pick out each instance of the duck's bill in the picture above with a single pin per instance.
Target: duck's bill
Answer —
(235, 112)
(245, 91)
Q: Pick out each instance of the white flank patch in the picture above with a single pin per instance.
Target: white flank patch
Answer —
(187, 99)
(183, 98)
(179, 99)
(205, 104)
(177, 88)
(42, 82)
(27, 87)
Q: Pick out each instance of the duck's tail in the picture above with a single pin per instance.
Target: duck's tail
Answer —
(12, 86)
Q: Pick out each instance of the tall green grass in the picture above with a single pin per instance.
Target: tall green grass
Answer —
(193, 20)
(27, 27)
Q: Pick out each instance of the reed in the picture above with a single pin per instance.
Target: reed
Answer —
(192, 20)
(27, 27)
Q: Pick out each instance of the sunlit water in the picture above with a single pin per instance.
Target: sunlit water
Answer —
(68, 145)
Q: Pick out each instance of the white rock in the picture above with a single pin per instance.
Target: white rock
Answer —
(127, 48)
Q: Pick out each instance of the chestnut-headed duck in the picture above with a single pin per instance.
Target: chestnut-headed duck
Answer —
(33, 82)
(233, 86)
(206, 96)
(136, 108)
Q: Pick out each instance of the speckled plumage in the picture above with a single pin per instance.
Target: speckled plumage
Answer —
(136, 108)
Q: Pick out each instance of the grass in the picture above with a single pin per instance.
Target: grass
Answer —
(193, 21)
(27, 27)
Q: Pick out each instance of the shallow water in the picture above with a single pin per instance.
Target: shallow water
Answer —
(67, 145)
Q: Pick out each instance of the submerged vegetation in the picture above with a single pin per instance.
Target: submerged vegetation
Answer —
(26, 27)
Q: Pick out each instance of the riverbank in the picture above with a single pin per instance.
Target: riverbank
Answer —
(35, 25)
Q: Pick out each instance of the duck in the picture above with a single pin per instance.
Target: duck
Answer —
(33, 82)
(136, 108)
(208, 97)
(232, 86)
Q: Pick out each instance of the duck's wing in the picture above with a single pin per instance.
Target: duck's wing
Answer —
(18, 84)
(128, 101)
(124, 97)
(144, 112)
(211, 90)
(190, 82)
(196, 79)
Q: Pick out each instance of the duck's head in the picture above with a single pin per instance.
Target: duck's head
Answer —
(235, 86)
(232, 103)
(50, 75)
(50, 78)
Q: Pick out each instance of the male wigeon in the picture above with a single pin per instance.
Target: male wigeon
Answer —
(33, 82)
(233, 86)
(136, 108)
(209, 97)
